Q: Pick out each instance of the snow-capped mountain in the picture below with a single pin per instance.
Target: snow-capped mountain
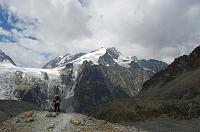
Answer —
(79, 58)
(83, 80)
(107, 57)
(5, 59)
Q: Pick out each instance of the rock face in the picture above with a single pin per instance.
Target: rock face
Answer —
(5, 59)
(82, 80)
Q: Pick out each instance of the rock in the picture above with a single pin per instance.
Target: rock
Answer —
(7, 130)
(29, 120)
(54, 114)
(27, 114)
(82, 123)
(51, 114)
(17, 120)
(51, 127)
(90, 118)
(48, 115)
(75, 122)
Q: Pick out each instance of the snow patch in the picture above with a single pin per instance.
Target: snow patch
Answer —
(123, 61)
(93, 56)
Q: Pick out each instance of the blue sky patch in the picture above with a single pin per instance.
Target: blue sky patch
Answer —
(4, 38)
(10, 21)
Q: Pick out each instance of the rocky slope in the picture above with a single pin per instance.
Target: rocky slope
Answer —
(174, 92)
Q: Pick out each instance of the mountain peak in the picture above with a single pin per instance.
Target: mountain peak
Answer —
(5, 58)
(113, 52)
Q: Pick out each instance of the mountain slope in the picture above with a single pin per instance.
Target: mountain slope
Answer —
(181, 75)
(174, 92)
(5, 58)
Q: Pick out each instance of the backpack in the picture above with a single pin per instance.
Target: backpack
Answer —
(56, 99)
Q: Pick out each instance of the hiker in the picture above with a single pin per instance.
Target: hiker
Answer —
(56, 100)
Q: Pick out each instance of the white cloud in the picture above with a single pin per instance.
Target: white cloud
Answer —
(145, 28)
(22, 56)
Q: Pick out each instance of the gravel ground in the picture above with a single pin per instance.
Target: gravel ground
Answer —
(43, 121)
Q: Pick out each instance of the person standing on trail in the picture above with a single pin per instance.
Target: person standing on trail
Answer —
(56, 100)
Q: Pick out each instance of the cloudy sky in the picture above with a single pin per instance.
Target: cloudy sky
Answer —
(35, 31)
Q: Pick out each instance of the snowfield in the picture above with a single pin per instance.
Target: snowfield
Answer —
(7, 77)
